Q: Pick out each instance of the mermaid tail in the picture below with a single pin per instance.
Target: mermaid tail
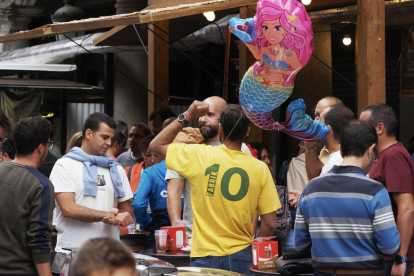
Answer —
(258, 99)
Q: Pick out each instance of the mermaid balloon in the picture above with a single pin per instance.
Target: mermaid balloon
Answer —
(280, 38)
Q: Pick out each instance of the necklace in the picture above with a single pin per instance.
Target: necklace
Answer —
(278, 52)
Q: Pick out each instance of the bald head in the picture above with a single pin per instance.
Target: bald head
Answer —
(209, 122)
(324, 103)
(216, 103)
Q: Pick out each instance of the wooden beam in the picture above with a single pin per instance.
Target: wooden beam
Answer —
(95, 23)
(108, 34)
(191, 10)
(158, 66)
(155, 4)
(370, 53)
(144, 16)
(36, 33)
(246, 59)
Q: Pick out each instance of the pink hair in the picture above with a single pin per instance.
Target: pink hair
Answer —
(299, 41)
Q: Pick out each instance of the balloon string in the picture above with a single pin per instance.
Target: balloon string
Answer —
(233, 128)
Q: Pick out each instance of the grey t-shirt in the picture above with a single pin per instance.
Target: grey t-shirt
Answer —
(188, 209)
(126, 160)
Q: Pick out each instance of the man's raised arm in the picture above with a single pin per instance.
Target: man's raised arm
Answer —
(160, 143)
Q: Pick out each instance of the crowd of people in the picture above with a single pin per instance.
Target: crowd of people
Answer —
(351, 193)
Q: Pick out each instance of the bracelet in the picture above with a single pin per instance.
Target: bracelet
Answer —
(308, 149)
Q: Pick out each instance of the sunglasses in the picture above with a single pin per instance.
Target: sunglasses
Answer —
(51, 144)
(134, 135)
(4, 140)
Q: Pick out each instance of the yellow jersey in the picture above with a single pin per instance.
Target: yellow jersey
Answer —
(227, 187)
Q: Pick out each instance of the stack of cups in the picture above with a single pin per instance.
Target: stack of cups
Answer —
(161, 240)
(183, 223)
(180, 223)
(131, 228)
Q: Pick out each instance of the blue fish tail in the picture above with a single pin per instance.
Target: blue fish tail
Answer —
(259, 99)
(300, 125)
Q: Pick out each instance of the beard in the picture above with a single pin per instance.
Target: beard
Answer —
(210, 133)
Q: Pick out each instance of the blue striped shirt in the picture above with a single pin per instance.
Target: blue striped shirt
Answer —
(348, 220)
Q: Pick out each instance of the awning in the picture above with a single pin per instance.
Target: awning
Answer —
(53, 53)
(45, 84)
(145, 16)
(38, 67)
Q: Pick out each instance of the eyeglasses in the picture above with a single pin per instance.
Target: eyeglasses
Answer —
(376, 155)
(134, 135)
(51, 144)
(4, 140)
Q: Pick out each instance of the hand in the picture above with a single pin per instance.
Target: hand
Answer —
(309, 144)
(398, 269)
(196, 110)
(295, 199)
(109, 219)
(124, 219)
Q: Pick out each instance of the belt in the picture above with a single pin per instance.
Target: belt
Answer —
(340, 271)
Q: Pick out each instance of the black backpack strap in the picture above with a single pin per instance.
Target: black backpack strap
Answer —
(282, 176)
(129, 173)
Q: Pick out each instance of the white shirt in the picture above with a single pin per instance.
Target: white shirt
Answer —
(335, 158)
(67, 177)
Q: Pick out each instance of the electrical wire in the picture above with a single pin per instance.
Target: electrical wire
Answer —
(184, 54)
(333, 70)
(221, 34)
(199, 55)
(77, 51)
(119, 71)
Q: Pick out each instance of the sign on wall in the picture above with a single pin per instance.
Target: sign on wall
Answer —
(407, 67)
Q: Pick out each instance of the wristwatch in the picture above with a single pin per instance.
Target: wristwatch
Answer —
(182, 118)
(399, 260)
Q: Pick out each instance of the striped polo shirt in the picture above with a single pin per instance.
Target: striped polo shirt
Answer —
(347, 219)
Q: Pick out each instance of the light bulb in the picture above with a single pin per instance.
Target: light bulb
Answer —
(347, 40)
(210, 15)
(306, 2)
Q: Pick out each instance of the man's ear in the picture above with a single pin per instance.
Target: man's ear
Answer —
(220, 129)
(330, 129)
(118, 144)
(370, 150)
(41, 148)
(6, 156)
(247, 132)
(380, 128)
(88, 134)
